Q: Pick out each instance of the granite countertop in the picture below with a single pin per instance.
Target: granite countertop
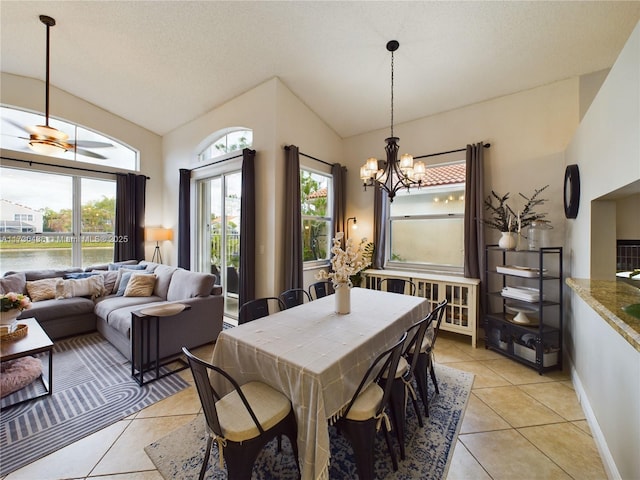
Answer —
(607, 297)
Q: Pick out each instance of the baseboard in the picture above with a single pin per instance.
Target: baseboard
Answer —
(601, 443)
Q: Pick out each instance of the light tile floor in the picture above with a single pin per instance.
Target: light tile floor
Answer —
(518, 424)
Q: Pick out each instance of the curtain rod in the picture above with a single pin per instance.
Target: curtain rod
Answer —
(32, 162)
(216, 162)
(486, 145)
(288, 147)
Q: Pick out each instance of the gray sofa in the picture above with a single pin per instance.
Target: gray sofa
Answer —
(110, 313)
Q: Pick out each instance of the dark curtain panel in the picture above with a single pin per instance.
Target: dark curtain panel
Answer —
(184, 219)
(247, 287)
(130, 199)
(380, 217)
(339, 174)
(474, 207)
(292, 221)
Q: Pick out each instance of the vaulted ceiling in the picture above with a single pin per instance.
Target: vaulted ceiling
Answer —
(161, 64)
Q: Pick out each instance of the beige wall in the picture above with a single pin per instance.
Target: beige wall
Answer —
(28, 93)
(605, 367)
(528, 132)
(628, 218)
(277, 118)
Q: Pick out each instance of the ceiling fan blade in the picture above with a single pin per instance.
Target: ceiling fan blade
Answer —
(87, 153)
(15, 124)
(90, 144)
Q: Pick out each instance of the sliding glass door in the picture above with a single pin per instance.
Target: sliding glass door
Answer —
(219, 233)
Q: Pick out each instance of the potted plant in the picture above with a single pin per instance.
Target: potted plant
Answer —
(504, 219)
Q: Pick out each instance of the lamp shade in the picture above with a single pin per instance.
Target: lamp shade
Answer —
(157, 234)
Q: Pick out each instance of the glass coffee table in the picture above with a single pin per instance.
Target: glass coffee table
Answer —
(35, 342)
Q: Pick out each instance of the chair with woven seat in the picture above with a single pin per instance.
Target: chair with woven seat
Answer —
(402, 381)
(320, 289)
(294, 297)
(424, 362)
(243, 421)
(258, 308)
(366, 412)
(397, 285)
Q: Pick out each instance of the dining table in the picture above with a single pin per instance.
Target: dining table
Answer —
(317, 358)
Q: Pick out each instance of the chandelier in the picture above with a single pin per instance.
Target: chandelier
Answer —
(393, 174)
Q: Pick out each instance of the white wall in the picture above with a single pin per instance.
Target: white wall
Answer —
(606, 147)
(277, 118)
(528, 132)
(28, 93)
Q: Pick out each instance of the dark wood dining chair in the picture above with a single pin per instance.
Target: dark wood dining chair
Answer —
(366, 412)
(424, 363)
(294, 297)
(403, 378)
(242, 421)
(397, 285)
(321, 289)
(258, 308)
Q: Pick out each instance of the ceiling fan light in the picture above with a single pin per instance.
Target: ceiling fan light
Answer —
(46, 147)
(45, 131)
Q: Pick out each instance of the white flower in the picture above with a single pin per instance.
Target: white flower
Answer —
(347, 262)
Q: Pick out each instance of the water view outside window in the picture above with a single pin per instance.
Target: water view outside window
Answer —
(72, 220)
(316, 197)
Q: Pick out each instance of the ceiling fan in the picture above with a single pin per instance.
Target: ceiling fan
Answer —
(47, 140)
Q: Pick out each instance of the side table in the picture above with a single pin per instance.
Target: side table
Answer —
(141, 324)
(36, 341)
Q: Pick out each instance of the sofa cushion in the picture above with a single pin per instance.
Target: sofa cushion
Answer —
(16, 282)
(105, 305)
(44, 289)
(82, 287)
(32, 275)
(46, 310)
(127, 263)
(163, 273)
(186, 284)
(140, 285)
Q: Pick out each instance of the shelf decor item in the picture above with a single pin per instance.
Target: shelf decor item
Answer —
(509, 222)
(344, 264)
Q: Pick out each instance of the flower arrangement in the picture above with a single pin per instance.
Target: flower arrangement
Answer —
(347, 262)
(504, 219)
(13, 300)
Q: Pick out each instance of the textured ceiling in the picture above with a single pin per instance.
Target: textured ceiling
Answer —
(161, 64)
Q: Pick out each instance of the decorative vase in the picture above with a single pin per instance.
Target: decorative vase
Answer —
(8, 321)
(342, 298)
(508, 240)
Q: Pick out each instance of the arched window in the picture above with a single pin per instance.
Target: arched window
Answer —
(92, 147)
(226, 141)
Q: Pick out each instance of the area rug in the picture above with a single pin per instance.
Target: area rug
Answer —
(92, 388)
(179, 455)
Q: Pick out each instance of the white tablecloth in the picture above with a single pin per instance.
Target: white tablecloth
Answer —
(317, 358)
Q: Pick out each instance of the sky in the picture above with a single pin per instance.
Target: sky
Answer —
(34, 190)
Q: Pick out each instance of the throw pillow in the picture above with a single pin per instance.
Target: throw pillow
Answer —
(120, 273)
(130, 264)
(125, 278)
(44, 289)
(16, 282)
(82, 287)
(81, 275)
(109, 280)
(140, 285)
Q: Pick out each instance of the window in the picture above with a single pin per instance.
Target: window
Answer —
(426, 225)
(317, 204)
(116, 154)
(55, 221)
(227, 141)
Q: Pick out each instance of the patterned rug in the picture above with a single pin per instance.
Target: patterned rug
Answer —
(178, 456)
(92, 388)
